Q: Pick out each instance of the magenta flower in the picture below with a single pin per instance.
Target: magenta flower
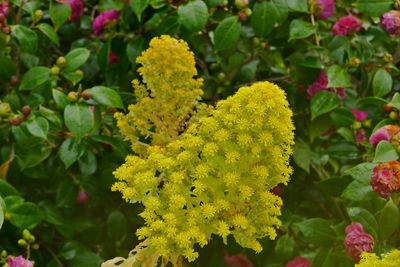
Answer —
(4, 8)
(76, 8)
(82, 197)
(360, 136)
(299, 262)
(359, 115)
(112, 58)
(357, 241)
(326, 8)
(19, 262)
(386, 178)
(238, 260)
(391, 22)
(346, 25)
(321, 84)
(101, 21)
(386, 133)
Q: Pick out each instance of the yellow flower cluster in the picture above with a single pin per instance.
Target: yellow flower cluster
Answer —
(391, 259)
(168, 97)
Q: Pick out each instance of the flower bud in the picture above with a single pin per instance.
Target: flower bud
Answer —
(390, 21)
(15, 121)
(387, 107)
(386, 178)
(14, 80)
(6, 30)
(242, 16)
(73, 96)
(82, 197)
(5, 109)
(79, 72)
(4, 253)
(22, 243)
(26, 110)
(26, 234)
(55, 70)
(38, 15)
(248, 11)
(393, 115)
(359, 115)
(61, 61)
(354, 62)
(387, 57)
(241, 3)
(367, 123)
(221, 76)
(357, 241)
(86, 95)
(357, 125)
(238, 260)
(299, 262)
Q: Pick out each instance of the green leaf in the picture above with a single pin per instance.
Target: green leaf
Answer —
(51, 116)
(134, 49)
(35, 77)
(282, 9)
(395, 102)
(6, 189)
(38, 127)
(374, 8)
(338, 77)
(138, 6)
(385, 152)
(264, 16)
(2, 211)
(27, 39)
(47, 30)
(76, 58)
(70, 151)
(285, 247)
(79, 119)
(298, 5)
(227, 33)
(359, 190)
(117, 226)
(364, 217)
(86, 258)
(344, 150)
(51, 213)
(66, 193)
(59, 13)
(342, 117)
(300, 29)
(73, 76)
(382, 83)
(106, 96)
(7, 69)
(302, 155)
(26, 215)
(193, 15)
(88, 163)
(388, 220)
(60, 98)
(317, 231)
(362, 171)
(323, 102)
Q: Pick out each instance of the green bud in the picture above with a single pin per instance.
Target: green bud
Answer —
(367, 123)
(22, 243)
(38, 15)
(4, 253)
(221, 76)
(357, 125)
(61, 61)
(55, 70)
(26, 234)
(5, 109)
(393, 115)
(73, 96)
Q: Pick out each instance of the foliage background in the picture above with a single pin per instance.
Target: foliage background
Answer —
(68, 146)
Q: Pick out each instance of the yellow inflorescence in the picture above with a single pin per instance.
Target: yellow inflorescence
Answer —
(215, 177)
(168, 97)
(391, 259)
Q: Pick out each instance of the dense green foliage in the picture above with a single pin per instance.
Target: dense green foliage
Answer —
(63, 74)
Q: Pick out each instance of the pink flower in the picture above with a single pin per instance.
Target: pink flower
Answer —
(386, 133)
(360, 136)
(386, 178)
(321, 84)
(326, 8)
(299, 262)
(82, 197)
(76, 8)
(359, 114)
(357, 241)
(101, 21)
(19, 262)
(238, 260)
(112, 58)
(345, 25)
(4, 8)
(391, 22)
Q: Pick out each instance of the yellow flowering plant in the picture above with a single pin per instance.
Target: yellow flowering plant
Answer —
(215, 177)
(390, 259)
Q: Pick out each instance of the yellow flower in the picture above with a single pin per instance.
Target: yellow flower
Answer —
(390, 259)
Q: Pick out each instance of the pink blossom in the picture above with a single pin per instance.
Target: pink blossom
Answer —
(238, 260)
(346, 24)
(360, 136)
(357, 241)
(326, 8)
(100, 22)
(112, 58)
(321, 84)
(76, 8)
(299, 262)
(386, 133)
(19, 262)
(359, 115)
(386, 178)
(4, 8)
(82, 197)
(391, 22)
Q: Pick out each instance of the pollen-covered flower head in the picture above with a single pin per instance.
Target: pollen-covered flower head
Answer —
(385, 133)
(391, 22)
(18, 262)
(169, 97)
(386, 178)
(390, 259)
(346, 25)
(299, 262)
(357, 241)
(103, 19)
